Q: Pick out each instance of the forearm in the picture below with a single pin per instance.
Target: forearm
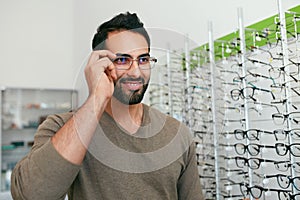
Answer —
(72, 140)
(48, 171)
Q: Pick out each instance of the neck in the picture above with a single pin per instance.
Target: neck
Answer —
(128, 116)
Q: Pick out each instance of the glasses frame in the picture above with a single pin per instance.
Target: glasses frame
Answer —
(246, 190)
(127, 65)
(285, 181)
(284, 117)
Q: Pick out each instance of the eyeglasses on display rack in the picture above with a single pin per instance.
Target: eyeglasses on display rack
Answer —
(251, 134)
(252, 149)
(290, 69)
(256, 191)
(279, 87)
(256, 105)
(248, 93)
(281, 134)
(283, 166)
(252, 163)
(292, 100)
(285, 181)
(238, 110)
(251, 77)
(282, 149)
(280, 118)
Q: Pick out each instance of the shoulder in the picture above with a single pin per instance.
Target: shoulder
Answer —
(55, 121)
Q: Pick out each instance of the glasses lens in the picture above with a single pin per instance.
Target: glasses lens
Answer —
(283, 181)
(122, 62)
(295, 149)
(296, 166)
(239, 134)
(240, 162)
(295, 133)
(278, 118)
(240, 148)
(252, 134)
(256, 192)
(281, 149)
(253, 149)
(235, 94)
(280, 134)
(274, 73)
(254, 163)
(296, 182)
(292, 69)
(295, 117)
(282, 165)
(282, 195)
(145, 62)
(244, 190)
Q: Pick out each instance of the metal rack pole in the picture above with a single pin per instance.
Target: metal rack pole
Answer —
(169, 82)
(1, 94)
(244, 81)
(284, 48)
(188, 105)
(213, 107)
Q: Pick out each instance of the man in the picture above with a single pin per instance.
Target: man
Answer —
(113, 146)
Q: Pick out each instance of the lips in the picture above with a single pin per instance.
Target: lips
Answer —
(132, 84)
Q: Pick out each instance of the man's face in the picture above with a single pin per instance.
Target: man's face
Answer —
(131, 84)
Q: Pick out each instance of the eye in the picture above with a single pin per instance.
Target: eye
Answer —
(121, 60)
(144, 60)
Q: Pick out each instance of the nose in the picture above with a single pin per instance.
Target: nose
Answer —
(134, 70)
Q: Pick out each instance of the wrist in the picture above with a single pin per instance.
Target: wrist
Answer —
(97, 104)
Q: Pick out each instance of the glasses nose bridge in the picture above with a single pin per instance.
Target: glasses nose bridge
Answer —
(132, 61)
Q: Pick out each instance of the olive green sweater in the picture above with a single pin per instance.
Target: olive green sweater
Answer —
(158, 163)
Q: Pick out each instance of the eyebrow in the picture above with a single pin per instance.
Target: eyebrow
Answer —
(128, 55)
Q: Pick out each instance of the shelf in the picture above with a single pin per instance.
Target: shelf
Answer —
(22, 111)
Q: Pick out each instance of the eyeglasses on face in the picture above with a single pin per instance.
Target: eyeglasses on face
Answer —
(125, 61)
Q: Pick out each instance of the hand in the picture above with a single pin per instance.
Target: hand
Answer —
(100, 73)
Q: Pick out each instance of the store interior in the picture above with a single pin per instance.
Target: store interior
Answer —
(229, 71)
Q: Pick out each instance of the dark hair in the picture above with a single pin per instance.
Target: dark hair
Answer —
(123, 21)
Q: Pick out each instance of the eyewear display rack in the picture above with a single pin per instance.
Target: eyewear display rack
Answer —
(22, 110)
(240, 97)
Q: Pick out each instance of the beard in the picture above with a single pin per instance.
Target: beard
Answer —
(132, 97)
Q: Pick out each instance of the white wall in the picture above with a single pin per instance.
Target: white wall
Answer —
(36, 40)
(44, 43)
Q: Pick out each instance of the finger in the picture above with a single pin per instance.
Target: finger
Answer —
(96, 55)
(104, 65)
(98, 67)
(112, 70)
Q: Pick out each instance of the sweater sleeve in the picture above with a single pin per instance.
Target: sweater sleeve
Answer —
(189, 187)
(44, 173)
